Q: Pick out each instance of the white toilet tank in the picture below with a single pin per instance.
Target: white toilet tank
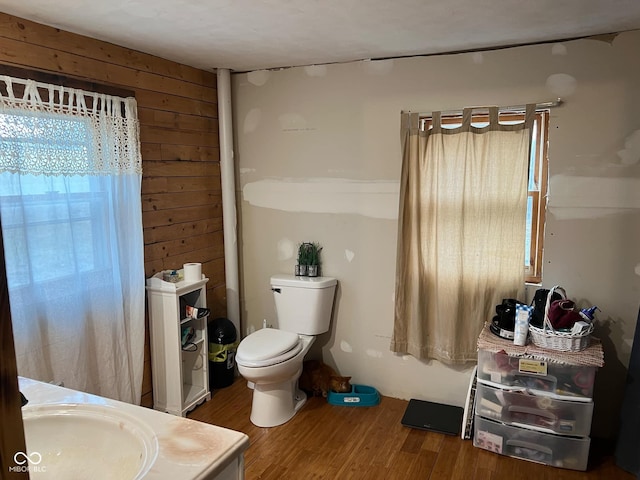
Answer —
(303, 304)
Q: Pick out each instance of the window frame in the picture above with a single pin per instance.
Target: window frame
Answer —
(533, 273)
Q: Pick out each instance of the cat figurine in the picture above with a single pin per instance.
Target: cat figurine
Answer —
(317, 379)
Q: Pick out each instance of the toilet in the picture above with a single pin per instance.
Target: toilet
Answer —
(270, 359)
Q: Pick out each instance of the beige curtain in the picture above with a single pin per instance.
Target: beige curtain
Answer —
(461, 232)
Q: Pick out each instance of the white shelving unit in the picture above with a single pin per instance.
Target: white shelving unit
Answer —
(180, 375)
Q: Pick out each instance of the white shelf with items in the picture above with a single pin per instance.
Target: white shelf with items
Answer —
(180, 372)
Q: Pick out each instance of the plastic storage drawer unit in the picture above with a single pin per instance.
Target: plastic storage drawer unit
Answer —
(557, 380)
(550, 449)
(539, 413)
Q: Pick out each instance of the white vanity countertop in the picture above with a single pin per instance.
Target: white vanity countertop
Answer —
(187, 449)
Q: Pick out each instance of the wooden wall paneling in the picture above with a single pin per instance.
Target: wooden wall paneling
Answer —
(159, 152)
(182, 184)
(155, 218)
(53, 59)
(151, 267)
(11, 431)
(181, 230)
(173, 120)
(182, 213)
(217, 301)
(35, 33)
(205, 254)
(176, 137)
(156, 152)
(147, 385)
(179, 168)
(175, 103)
(216, 270)
(191, 152)
(56, 79)
(178, 247)
(165, 201)
(18, 53)
(150, 151)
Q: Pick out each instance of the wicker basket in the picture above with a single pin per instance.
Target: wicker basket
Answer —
(547, 337)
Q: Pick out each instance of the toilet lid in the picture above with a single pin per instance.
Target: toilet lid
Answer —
(267, 346)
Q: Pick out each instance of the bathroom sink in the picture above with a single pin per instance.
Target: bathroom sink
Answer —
(80, 441)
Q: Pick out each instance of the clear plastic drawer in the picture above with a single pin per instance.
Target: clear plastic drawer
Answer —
(556, 380)
(541, 413)
(531, 445)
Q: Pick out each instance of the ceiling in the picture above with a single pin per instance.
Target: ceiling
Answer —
(245, 35)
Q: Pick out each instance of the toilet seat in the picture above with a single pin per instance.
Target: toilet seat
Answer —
(268, 346)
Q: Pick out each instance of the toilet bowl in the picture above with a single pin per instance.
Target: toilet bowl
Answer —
(274, 374)
(271, 359)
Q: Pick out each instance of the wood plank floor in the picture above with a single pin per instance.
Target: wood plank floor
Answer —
(332, 442)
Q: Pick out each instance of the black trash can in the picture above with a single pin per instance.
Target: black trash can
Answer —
(222, 352)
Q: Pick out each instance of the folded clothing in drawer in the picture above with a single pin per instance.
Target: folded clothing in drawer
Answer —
(541, 413)
(556, 450)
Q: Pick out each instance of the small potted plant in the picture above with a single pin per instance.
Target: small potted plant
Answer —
(313, 266)
(301, 267)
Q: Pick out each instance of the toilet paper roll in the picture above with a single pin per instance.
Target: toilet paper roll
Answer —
(192, 272)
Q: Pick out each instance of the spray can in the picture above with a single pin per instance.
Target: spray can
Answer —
(588, 314)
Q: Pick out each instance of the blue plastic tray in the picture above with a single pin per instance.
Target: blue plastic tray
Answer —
(360, 396)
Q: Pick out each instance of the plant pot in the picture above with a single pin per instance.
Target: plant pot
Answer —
(301, 270)
(313, 270)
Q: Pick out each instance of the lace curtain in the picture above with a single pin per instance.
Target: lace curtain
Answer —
(461, 232)
(70, 206)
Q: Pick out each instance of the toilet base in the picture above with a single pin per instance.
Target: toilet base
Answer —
(276, 396)
(276, 403)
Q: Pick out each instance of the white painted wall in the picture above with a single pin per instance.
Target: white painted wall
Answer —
(318, 157)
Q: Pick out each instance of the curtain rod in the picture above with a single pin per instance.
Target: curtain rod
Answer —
(510, 108)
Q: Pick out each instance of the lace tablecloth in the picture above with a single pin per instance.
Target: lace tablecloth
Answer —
(592, 356)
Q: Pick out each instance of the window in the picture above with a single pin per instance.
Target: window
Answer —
(55, 212)
(537, 198)
(537, 184)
